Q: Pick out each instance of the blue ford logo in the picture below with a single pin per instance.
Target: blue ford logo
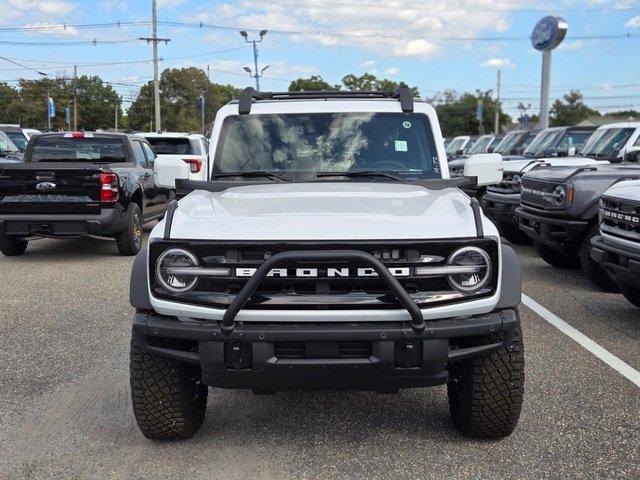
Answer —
(46, 186)
(548, 33)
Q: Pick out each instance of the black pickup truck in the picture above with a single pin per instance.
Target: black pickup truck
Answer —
(78, 184)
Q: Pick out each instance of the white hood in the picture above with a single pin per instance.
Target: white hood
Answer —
(625, 190)
(324, 211)
(523, 166)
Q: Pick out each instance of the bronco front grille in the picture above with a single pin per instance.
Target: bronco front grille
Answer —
(620, 218)
(332, 285)
(533, 192)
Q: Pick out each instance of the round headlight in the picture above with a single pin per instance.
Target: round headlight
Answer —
(517, 182)
(170, 280)
(477, 276)
(559, 195)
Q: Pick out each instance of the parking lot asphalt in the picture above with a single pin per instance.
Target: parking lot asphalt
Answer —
(65, 409)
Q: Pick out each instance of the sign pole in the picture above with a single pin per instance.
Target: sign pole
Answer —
(548, 33)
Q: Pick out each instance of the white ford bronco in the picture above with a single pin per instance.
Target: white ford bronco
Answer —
(328, 249)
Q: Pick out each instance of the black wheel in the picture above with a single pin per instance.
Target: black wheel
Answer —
(555, 258)
(12, 246)
(130, 239)
(599, 275)
(514, 234)
(169, 402)
(631, 292)
(485, 393)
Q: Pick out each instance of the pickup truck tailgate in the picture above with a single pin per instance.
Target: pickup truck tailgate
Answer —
(49, 187)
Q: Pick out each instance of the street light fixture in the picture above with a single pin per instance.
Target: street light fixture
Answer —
(258, 73)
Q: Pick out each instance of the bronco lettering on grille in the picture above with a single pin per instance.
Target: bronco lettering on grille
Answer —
(330, 272)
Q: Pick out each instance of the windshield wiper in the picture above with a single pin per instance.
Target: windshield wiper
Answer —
(362, 173)
(252, 173)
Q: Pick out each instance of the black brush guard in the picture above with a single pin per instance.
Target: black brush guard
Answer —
(279, 259)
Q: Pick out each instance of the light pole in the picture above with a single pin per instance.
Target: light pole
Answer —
(258, 73)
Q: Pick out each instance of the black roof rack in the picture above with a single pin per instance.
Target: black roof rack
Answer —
(249, 95)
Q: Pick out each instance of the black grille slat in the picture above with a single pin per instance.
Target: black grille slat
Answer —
(299, 350)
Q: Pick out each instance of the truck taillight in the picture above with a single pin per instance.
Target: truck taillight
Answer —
(195, 164)
(108, 187)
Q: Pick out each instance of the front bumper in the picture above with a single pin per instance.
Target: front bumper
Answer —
(501, 208)
(107, 222)
(388, 355)
(558, 233)
(623, 261)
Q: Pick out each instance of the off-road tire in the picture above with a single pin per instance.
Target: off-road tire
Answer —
(12, 246)
(514, 234)
(169, 402)
(485, 394)
(630, 292)
(595, 272)
(555, 258)
(129, 241)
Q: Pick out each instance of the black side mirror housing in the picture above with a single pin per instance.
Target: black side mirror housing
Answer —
(633, 156)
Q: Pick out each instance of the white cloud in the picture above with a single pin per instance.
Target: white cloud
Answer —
(390, 28)
(574, 45)
(498, 63)
(367, 64)
(634, 22)
(14, 10)
(169, 3)
(392, 71)
(113, 5)
(53, 29)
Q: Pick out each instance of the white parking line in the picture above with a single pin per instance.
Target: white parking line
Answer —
(602, 353)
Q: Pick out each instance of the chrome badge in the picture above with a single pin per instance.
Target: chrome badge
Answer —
(46, 186)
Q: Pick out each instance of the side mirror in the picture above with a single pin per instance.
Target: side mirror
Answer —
(490, 150)
(633, 156)
(486, 167)
(167, 169)
(460, 151)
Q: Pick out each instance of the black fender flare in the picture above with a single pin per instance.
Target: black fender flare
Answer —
(139, 283)
(511, 291)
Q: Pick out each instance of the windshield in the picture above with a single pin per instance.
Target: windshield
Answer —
(171, 146)
(481, 145)
(542, 142)
(607, 144)
(454, 146)
(6, 145)
(91, 149)
(18, 139)
(507, 143)
(299, 146)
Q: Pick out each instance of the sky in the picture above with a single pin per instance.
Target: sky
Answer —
(434, 45)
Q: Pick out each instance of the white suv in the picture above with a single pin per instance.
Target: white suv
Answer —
(180, 155)
(329, 249)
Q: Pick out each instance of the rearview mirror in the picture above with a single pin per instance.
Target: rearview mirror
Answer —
(486, 167)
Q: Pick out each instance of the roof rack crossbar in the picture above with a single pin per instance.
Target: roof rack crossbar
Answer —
(249, 94)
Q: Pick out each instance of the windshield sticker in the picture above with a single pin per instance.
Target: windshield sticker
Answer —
(406, 124)
(436, 164)
(401, 146)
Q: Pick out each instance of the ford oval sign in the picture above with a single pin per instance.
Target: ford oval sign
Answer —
(548, 33)
(46, 186)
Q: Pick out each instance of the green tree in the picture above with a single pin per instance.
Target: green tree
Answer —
(570, 110)
(369, 82)
(180, 99)
(97, 103)
(457, 113)
(314, 83)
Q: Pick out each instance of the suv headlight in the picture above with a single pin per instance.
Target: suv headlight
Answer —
(171, 260)
(516, 182)
(470, 257)
(559, 195)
